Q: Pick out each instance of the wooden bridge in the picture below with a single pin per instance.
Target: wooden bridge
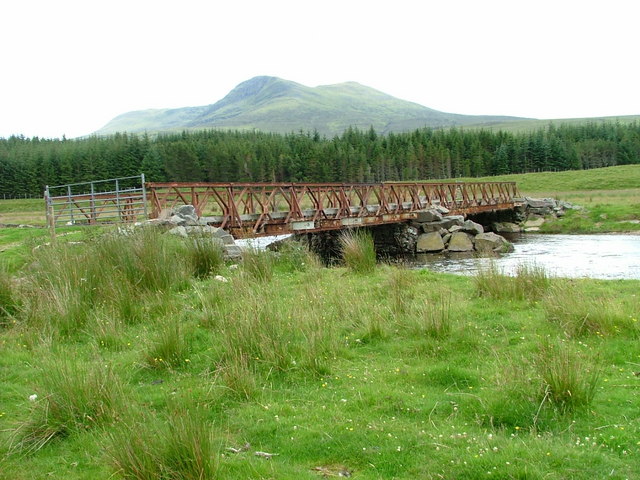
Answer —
(257, 209)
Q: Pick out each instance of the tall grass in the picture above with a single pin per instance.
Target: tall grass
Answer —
(257, 264)
(9, 300)
(73, 397)
(400, 290)
(569, 379)
(358, 251)
(181, 448)
(171, 347)
(530, 282)
(434, 318)
(578, 313)
(205, 255)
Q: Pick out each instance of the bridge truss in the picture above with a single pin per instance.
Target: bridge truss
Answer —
(258, 209)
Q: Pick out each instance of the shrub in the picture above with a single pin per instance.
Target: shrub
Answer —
(358, 250)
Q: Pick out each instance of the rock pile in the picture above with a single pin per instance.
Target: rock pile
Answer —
(533, 212)
(438, 232)
(184, 222)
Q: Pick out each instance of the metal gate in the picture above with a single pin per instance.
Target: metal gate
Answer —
(116, 200)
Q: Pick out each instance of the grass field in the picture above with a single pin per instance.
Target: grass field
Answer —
(149, 372)
(124, 357)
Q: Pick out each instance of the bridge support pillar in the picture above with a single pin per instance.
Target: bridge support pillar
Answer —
(390, 240)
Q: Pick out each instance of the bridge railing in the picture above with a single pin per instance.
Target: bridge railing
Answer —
(255, 209)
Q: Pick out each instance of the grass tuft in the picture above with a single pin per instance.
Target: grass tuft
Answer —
(358, 251)
(205, 255)
(579, 313)
(530, 282)
(181, 448)
(569, 379)
(257, 264)
(74, 397)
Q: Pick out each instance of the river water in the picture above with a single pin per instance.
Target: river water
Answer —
(595, 256)
(612, 256)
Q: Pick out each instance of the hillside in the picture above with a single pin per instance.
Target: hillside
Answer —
(272, 104)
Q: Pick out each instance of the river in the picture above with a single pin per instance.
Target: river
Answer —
(596, 256)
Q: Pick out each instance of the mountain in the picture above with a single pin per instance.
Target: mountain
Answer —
(276, 105)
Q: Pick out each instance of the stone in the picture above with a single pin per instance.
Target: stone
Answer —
(472, 227)
(451, 220)
(460, 242)
(533, 221)
(441, 209)
(506, 227)
(177, 220)
(233, 251)
(429, 242)
(430, 215)
(185, 211)
(531, 229)
(191, 220)
(540, 202)
(491, 242)
(180, 231)
(446, 238)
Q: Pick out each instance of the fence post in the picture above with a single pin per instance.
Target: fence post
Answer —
(144, 195)
(51, 220)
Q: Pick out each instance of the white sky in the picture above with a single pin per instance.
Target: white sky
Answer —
(70, 66)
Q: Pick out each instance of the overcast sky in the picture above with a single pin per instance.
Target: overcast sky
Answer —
(70, 66)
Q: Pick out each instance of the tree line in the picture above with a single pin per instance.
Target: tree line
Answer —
(28, 164)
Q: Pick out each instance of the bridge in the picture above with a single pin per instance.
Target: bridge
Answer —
(249, 210)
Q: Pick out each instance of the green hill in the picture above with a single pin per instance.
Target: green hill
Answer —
(276, 105)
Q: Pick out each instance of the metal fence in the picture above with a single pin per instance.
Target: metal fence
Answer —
(115, 200)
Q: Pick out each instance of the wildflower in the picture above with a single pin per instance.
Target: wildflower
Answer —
(33, 398)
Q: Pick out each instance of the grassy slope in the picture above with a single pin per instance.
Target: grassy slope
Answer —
(529, 125)
(388, 398)
(611, 196)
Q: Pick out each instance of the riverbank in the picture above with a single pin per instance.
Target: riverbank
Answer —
(113, 363)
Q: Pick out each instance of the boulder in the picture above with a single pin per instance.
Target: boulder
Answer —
(185, 211)
(430, 215)
(180, 231)
(540, 206)
(440, 209)
(429, 242)
(491, 242)
(451, 220)
(177, 220)
(460, 242)
(533, 221)
(472, 227)
(233, 251)
(506, 227)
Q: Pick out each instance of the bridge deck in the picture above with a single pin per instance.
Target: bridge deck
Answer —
(258, 209)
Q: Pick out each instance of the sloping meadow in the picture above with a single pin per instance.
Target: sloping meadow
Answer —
(144, 357)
